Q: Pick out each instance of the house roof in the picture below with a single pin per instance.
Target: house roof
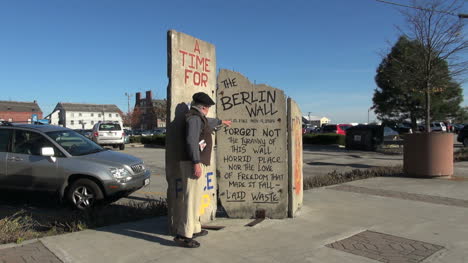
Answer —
(19, 106)
(313, 118)
(87, 107)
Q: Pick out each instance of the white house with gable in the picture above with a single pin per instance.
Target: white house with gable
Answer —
(83, 116)
(315, 120)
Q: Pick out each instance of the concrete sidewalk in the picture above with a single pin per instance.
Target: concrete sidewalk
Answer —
(378, 219)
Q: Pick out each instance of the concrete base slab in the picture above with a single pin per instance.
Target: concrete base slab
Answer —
(327, 216)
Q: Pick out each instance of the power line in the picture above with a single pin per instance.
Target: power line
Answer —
(423, 9)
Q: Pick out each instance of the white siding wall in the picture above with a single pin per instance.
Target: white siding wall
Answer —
(75, 118)
(54, 118)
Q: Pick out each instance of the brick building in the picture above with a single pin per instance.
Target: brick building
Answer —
(17, 111)
(148, 113)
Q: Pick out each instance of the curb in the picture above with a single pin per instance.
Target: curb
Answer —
(12, 245)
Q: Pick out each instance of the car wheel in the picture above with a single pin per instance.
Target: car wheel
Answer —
(465, 142)
(122, 147)
(83, 194)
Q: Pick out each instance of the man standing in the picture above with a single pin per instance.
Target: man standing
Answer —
(199, 145)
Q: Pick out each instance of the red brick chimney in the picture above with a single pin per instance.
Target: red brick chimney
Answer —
(149, 95)
(137, 99)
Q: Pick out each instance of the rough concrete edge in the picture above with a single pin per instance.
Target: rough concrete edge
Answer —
(289, 148)
(60, 253)
(66, 257)
(13, 245)
(57, 251)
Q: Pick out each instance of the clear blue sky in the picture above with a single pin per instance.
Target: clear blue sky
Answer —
(322, 53)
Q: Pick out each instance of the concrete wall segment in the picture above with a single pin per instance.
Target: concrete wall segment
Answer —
(191, 69)
(252, 153)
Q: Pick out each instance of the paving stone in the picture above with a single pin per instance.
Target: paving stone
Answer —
(34, 252)
(402, 195)
(386, 248)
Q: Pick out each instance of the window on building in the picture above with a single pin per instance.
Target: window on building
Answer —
(110, 115)
(80, 114)
(116, 115)
(73, 114)
(72, 122)
(80, 122)
(99, 115)
(92, 122)
(92, 114)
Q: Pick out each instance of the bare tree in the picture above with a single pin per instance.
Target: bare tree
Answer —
(437, 27)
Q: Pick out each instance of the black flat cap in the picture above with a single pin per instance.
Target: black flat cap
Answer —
(202, 98)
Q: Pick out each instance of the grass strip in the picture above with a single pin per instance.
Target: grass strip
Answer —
(22, 225)
(356, 174)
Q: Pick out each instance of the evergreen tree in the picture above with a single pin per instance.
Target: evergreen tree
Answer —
(401, 86)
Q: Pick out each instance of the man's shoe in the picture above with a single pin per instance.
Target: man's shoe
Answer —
(200, 234)
(186, 242)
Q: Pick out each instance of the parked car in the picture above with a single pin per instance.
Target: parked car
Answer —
(403, 128)
(60, 160)
(336, 128)
(159, 131)
(308, 128)
(87, 133)
(435, 127)
(137, 132)
(147, 133)
(438, 126)
(109, 134)
(458, 127)
(128, 132)
(463, 136)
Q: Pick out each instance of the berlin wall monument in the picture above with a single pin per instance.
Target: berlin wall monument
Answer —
(191, 69)
(259, 158)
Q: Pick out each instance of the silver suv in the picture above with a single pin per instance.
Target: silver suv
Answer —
(109, 134)
(56, 159)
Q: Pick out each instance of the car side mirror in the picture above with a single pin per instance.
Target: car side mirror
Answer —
(47, 151)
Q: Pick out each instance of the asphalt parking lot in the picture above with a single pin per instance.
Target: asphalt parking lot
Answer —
(318, 160)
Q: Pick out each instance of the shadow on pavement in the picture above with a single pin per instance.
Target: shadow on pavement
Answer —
(137, 198)
(38, 204)
(150, 230)
(353, 165)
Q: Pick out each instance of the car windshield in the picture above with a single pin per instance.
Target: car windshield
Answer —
(74, 143)
(109, 127)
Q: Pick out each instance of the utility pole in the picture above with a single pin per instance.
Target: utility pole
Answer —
(128, 107)
(128, 101)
